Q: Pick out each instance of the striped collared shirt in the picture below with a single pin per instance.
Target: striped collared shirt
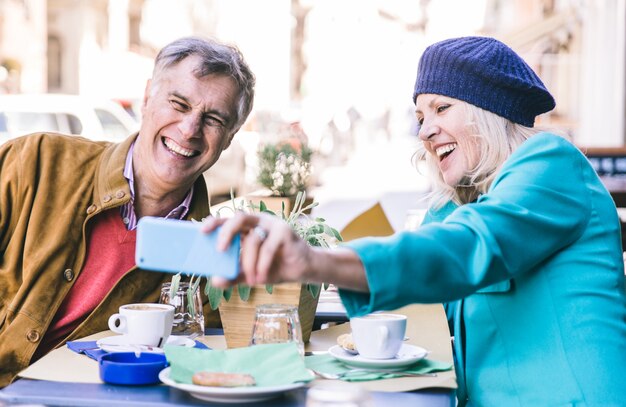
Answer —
(128, 210)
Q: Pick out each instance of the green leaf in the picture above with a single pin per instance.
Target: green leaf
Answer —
(174, 286)
(311, 206)
(218, 214)
(297, 205)
(262, 207)
(244, 291)
(191, 304)
(195, 284)
(215, 295)
(337, 234)
(314, 289)
(228, 293)
(269, 288)
(328, 230)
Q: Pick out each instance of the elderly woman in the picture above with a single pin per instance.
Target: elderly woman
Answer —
(522, 241)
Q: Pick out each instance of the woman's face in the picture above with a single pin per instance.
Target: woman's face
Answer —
(446, 135)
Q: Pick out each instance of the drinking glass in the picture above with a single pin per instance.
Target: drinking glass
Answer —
(337, 394)
(277, 323)
(188, 316)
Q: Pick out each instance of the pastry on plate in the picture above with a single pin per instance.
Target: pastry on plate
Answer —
(346, 342)
(218, 379)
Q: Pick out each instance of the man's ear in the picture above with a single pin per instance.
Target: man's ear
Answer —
(146, 96)
(230, 140)
(231, 137)
(146, 92)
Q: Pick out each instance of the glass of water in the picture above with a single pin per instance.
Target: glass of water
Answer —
(338, 394)
(188, 316)
(277, 323)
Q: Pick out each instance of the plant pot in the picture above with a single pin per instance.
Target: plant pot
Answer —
(275, 203)
(238, 316)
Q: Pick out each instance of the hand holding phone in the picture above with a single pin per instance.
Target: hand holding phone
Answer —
(173, 246)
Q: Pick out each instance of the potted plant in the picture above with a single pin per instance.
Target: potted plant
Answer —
(284, 169)
(237, 304)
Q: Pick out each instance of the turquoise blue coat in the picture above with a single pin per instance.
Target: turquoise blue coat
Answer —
(534, 280)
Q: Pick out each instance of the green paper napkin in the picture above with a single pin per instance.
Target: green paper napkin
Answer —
(270, 365)
(328, 364)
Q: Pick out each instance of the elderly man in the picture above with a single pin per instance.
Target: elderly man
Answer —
(69, 206)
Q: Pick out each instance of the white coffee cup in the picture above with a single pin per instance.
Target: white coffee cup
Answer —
(378, 335)
(144, 324)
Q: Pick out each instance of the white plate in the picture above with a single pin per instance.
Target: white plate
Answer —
(407, 355)
(118, 343)
(228, 394)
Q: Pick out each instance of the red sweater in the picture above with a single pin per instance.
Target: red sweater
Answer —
(110, 254)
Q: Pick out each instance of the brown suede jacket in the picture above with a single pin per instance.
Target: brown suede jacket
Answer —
(51, 186)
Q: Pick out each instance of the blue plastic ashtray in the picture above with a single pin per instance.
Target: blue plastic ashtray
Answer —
(128, 368)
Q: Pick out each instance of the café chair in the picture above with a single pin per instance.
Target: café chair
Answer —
(372, 222)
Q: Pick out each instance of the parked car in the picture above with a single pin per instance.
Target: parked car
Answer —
(93, 118)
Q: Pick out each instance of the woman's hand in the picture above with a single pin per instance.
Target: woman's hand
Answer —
(271, 252)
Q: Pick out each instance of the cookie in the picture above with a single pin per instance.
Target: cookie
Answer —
(218, 379)
(346, 342)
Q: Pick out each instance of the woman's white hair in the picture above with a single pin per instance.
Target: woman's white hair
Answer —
(493, 139)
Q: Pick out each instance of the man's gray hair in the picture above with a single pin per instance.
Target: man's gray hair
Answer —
(215, 58)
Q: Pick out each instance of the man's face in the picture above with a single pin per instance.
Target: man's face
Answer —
(187, 122)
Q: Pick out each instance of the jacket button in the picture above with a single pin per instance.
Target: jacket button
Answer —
(91, 209)
(68, 274)
(32, 336)
(120, 194)
(107, 198)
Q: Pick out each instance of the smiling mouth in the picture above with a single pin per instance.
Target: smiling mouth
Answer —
(444, 151)
(178, 150)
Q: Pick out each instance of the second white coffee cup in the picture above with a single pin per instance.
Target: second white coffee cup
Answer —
(144, 324)
(378, 335)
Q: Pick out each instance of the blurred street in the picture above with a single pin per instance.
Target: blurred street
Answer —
(377, 171)
(342, 70)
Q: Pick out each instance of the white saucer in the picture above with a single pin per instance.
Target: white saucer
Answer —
(228, 394)
(407, 355)
(118, 343)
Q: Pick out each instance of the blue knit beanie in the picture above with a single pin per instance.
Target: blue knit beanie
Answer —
(486, 73)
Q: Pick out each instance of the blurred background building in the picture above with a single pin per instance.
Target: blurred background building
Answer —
(343, 69)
